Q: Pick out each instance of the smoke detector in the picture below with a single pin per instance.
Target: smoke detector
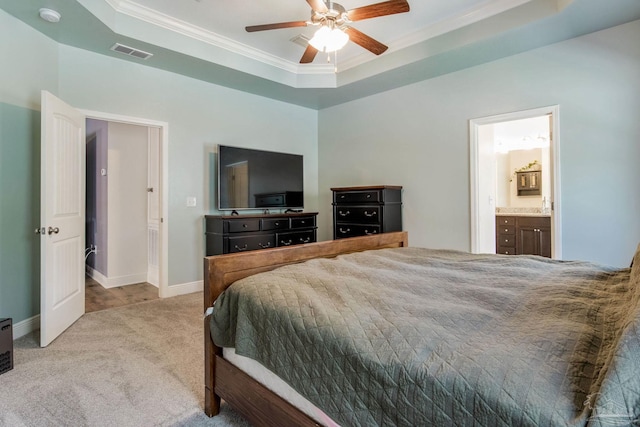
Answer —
(49, 15)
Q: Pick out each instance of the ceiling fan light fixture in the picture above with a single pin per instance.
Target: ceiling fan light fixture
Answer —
(329, 39)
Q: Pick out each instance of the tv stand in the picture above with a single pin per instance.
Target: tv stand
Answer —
(239, 233)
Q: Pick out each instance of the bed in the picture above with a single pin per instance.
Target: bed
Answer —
(374, 332)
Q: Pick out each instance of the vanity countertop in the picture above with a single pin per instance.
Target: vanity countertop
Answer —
(521, 212)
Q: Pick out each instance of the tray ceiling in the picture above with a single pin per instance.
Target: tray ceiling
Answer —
(205, 39)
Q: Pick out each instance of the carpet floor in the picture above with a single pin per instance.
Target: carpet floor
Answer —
(138, 365)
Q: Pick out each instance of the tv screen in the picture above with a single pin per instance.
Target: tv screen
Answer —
(258, 179)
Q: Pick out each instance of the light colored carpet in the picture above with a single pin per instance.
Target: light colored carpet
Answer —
(139, 365)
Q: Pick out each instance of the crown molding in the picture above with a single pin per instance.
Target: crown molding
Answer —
(184, 28)
(484, 11)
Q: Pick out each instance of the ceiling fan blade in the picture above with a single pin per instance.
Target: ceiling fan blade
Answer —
(276, 26)
(365, 41)
(309, 55)
(379, 9)
(318, 6)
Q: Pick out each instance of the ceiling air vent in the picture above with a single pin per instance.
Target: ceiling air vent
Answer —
(301, 39)
(131, 51)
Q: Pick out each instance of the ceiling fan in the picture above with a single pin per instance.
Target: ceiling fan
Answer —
(334, 20)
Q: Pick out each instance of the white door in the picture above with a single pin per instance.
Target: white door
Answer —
(62, 205)
(154, 211)
(487, 200)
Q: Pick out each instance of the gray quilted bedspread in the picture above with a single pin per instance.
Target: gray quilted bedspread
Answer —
(417, 337)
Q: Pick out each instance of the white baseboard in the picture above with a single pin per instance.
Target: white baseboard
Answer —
(183, 288)
(26, 326)
(114, 282)
(95, 275)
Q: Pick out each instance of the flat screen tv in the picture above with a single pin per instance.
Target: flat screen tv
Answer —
(258, 179)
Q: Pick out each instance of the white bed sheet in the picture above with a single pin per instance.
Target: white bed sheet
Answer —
(274, 383)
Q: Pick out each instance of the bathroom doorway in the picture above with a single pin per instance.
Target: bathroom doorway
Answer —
(526, 142)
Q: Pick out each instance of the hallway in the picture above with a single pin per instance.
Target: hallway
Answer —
(98, 298)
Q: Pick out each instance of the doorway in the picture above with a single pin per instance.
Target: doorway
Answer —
(122, 214)
(147, 164)
(500, 145)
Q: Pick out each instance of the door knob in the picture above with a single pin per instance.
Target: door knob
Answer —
(53, 230)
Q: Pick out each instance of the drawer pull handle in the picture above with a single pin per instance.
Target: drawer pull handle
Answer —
(268, 245)
(277, 223)
(244, 248)
(506, 240)
(342, 196)
(345, 231)
(283, 243)
(506, 252)
(343, 213)
(366, 213)
(307, 240)
(244, 225)
(506, 229)
(368, 196)
(506, 221)
(370, 233)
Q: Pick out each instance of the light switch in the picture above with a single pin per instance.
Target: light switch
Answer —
(191, 202)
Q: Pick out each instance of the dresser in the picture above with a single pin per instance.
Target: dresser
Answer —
(360, 211)
(523, 235)
(238, 233)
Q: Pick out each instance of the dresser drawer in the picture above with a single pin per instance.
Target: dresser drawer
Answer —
(369, 196)
(506, 229)
(242, 225)
(303, 222)
(296, 237)
(251, 243)
(505, 220)
(275, 224)
(506, 250)
(354, 230)
(357, 214)
(508, 240)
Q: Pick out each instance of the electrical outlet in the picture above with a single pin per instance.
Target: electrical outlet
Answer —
(191, 202)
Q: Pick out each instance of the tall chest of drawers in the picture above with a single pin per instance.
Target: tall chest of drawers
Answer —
(360, 211)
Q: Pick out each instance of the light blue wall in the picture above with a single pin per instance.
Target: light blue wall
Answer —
(19, 211)
(417, 136)
(29, 63)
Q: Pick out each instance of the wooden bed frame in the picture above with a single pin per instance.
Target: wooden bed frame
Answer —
(225, 381)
